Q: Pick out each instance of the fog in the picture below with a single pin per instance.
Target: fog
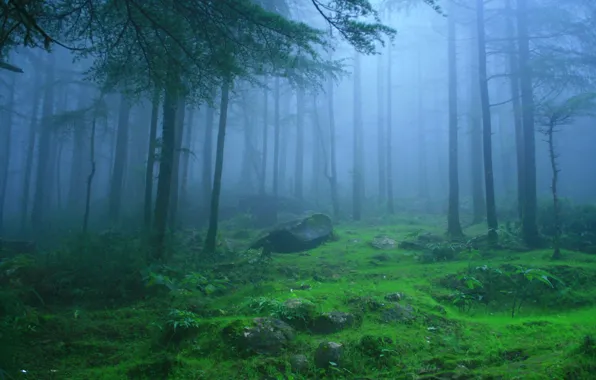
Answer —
(50, 110)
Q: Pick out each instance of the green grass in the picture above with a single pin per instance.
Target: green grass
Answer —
(135, 341)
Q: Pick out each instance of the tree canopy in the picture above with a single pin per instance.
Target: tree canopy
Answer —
(134, 44)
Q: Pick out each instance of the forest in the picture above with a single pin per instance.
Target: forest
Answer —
(286, 190)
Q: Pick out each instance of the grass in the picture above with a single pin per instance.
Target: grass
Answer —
(138, 341)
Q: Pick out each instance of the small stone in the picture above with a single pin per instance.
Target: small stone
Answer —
(394, 297)
(328, 354)
(383, 242)
(299, 363)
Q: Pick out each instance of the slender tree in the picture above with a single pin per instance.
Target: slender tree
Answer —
(211, 238)
(453, 224)
(529, 227)
(148, 202)
(358, 178)
(489, 186)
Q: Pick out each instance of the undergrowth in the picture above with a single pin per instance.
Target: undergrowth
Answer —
(94, 309)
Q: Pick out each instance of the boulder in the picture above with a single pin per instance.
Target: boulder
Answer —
(297, 235)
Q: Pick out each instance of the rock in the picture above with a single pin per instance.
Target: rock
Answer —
(299, 312)
(398, 313)
(299, 363)
(421, 241)
(268, 336)
(298, 235)
(329, 323)
(394, 297)
(328, 354)
(383, 242)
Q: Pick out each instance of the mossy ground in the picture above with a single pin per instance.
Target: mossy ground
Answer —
(545, 340)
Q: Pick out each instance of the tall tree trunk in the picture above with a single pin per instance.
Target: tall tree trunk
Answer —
(453, 224)
(421, 138)
(151, 158)
(529, 227)
(319, 146)
(389, 137)
(40, 199)
(120, 159)
(262, 188)
(276, 134)
(5, 153)
(332, 177)
(175, 189)
(166, 163)
(58, 162)
(207, 172)
(381, 143)
(516, 103)
(32, 133)
(91, 173)
(185, 167)
(550, 133)
(475, 120)
(77, 176)
(285, 111)
(299, 158)
(357, 181)
(211, 238)
(247, 148)
(491, 208)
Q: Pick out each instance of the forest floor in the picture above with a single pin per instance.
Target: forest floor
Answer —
(362, 312)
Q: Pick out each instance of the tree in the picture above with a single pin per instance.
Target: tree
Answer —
(211, 238)
(553, 115)
(530, 203)
(453, 224)
(491, 208)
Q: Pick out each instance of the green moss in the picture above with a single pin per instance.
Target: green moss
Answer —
(545, 340)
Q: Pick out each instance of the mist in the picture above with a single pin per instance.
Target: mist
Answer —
(177, 135)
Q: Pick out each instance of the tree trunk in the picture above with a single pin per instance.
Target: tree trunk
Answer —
(357, 181)
(40, 199)
(332, 177)
(77, 175)
(59, 144)
(478, 202)
(166, 163)
(388, 142)
(381, 143)
(262, 188)
(517, 112)
(453, 224)
(211, 238)
(120, 159)
(299, 158)
(421, 139)
(175, 189)
(556, 208)
(91, 174)
(188, 151)
(207, 177)
(491, 209)
(319, 147)
(276, 134)
(151, 158)
(32, 133)
(5, 138)
(529, 227)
